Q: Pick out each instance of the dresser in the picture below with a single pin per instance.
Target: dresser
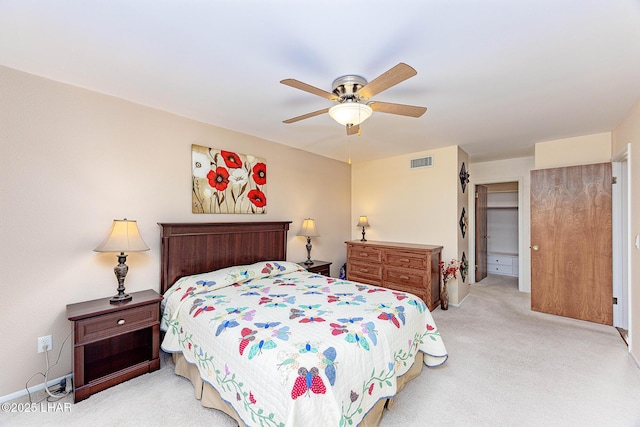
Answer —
(502, 263)
(403, 267)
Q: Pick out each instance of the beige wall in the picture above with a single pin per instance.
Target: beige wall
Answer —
(626, 138)
(580, 150)
(73, 160)
(410, 205)
(512, 170)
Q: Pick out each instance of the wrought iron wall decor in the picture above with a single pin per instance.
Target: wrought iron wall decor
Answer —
(463, 222)
(464, 177)
(464, 267)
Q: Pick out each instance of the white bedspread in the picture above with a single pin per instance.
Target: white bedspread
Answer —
(286, 347)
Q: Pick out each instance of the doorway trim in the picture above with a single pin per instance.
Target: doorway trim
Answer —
(621, 244)
(522, 244)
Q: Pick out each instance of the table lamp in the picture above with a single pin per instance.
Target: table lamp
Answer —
(363, 222)
(123, 237)
(308, 230)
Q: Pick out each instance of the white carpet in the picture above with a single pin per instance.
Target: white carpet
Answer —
(508, 366)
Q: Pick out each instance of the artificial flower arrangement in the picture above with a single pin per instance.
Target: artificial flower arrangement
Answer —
(449, 272)
(450, 269)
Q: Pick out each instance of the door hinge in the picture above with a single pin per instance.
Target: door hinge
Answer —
(476, 194)
(614, 179)
(615, 300)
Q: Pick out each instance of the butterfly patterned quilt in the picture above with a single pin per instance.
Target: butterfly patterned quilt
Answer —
(285, 347)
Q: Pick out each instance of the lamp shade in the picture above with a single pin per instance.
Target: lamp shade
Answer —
(308, 228)
(123, 237)
(350, 113)
(363, 222)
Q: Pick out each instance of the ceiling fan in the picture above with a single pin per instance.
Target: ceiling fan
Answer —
(351, 94)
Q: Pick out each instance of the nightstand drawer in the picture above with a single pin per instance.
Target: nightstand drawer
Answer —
(324, 270)
(364, 253)
(318, 267)
(106, 325)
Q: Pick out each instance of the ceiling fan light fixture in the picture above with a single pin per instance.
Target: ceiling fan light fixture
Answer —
(350, 113)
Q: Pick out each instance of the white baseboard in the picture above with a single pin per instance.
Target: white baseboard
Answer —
(35, 388)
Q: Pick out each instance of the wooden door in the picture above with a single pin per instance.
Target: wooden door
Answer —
(571, 247)
(481, 232)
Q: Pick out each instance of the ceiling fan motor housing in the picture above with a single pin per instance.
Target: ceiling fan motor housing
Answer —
(347, 87)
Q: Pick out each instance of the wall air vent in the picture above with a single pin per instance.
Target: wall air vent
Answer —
(422, 162)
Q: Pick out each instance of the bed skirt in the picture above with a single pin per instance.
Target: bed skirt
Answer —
(210, 398)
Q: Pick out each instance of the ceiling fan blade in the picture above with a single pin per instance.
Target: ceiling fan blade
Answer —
(306, 116)
(392, 77)
(308, 88)
(400, 109)
(353, 130)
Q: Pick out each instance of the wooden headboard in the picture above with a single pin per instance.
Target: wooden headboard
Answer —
(192, 248)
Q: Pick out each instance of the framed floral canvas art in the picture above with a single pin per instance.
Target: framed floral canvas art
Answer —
(227, 182)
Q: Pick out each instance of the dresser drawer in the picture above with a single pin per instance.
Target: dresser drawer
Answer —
(500, 259)
(403, 277)
(364, 272)
(405, 259)
(364, 253)
(106, 325)
(500, 269)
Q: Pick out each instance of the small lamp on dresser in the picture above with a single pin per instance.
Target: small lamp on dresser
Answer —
(309, 230)
(123, 237)
(363, 222)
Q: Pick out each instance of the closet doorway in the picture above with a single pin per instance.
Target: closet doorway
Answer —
(497, 230)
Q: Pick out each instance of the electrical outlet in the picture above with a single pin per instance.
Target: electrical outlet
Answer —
(45, 343)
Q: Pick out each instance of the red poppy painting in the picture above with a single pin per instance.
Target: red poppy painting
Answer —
(227, 182)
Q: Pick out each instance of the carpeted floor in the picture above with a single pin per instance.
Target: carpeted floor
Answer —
(508, 366)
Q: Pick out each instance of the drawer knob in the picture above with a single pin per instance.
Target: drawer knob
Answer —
(364, 254)
(121, 322)
(404, 277)
(404, 260)
(364, 270)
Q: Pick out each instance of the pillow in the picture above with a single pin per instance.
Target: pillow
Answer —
(236, 274)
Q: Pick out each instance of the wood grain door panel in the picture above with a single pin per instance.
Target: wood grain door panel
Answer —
(571, 243)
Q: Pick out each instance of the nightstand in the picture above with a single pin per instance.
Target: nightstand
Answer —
(113, 343)
(318, 267)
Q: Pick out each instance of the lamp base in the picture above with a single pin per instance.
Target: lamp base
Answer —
(308, 261)
(121, 272)
(117, 299)
(363, 239)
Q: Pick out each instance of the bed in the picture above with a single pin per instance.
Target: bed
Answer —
(271, 344)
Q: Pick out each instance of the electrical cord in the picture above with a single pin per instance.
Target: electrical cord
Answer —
(45, 374)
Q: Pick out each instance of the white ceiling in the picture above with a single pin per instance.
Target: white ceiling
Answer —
(497, 76)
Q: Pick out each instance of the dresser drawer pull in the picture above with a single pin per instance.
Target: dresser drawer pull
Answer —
(364, 254)
(404, 277)
(121, 322)
(404, 260)
(364, 270)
